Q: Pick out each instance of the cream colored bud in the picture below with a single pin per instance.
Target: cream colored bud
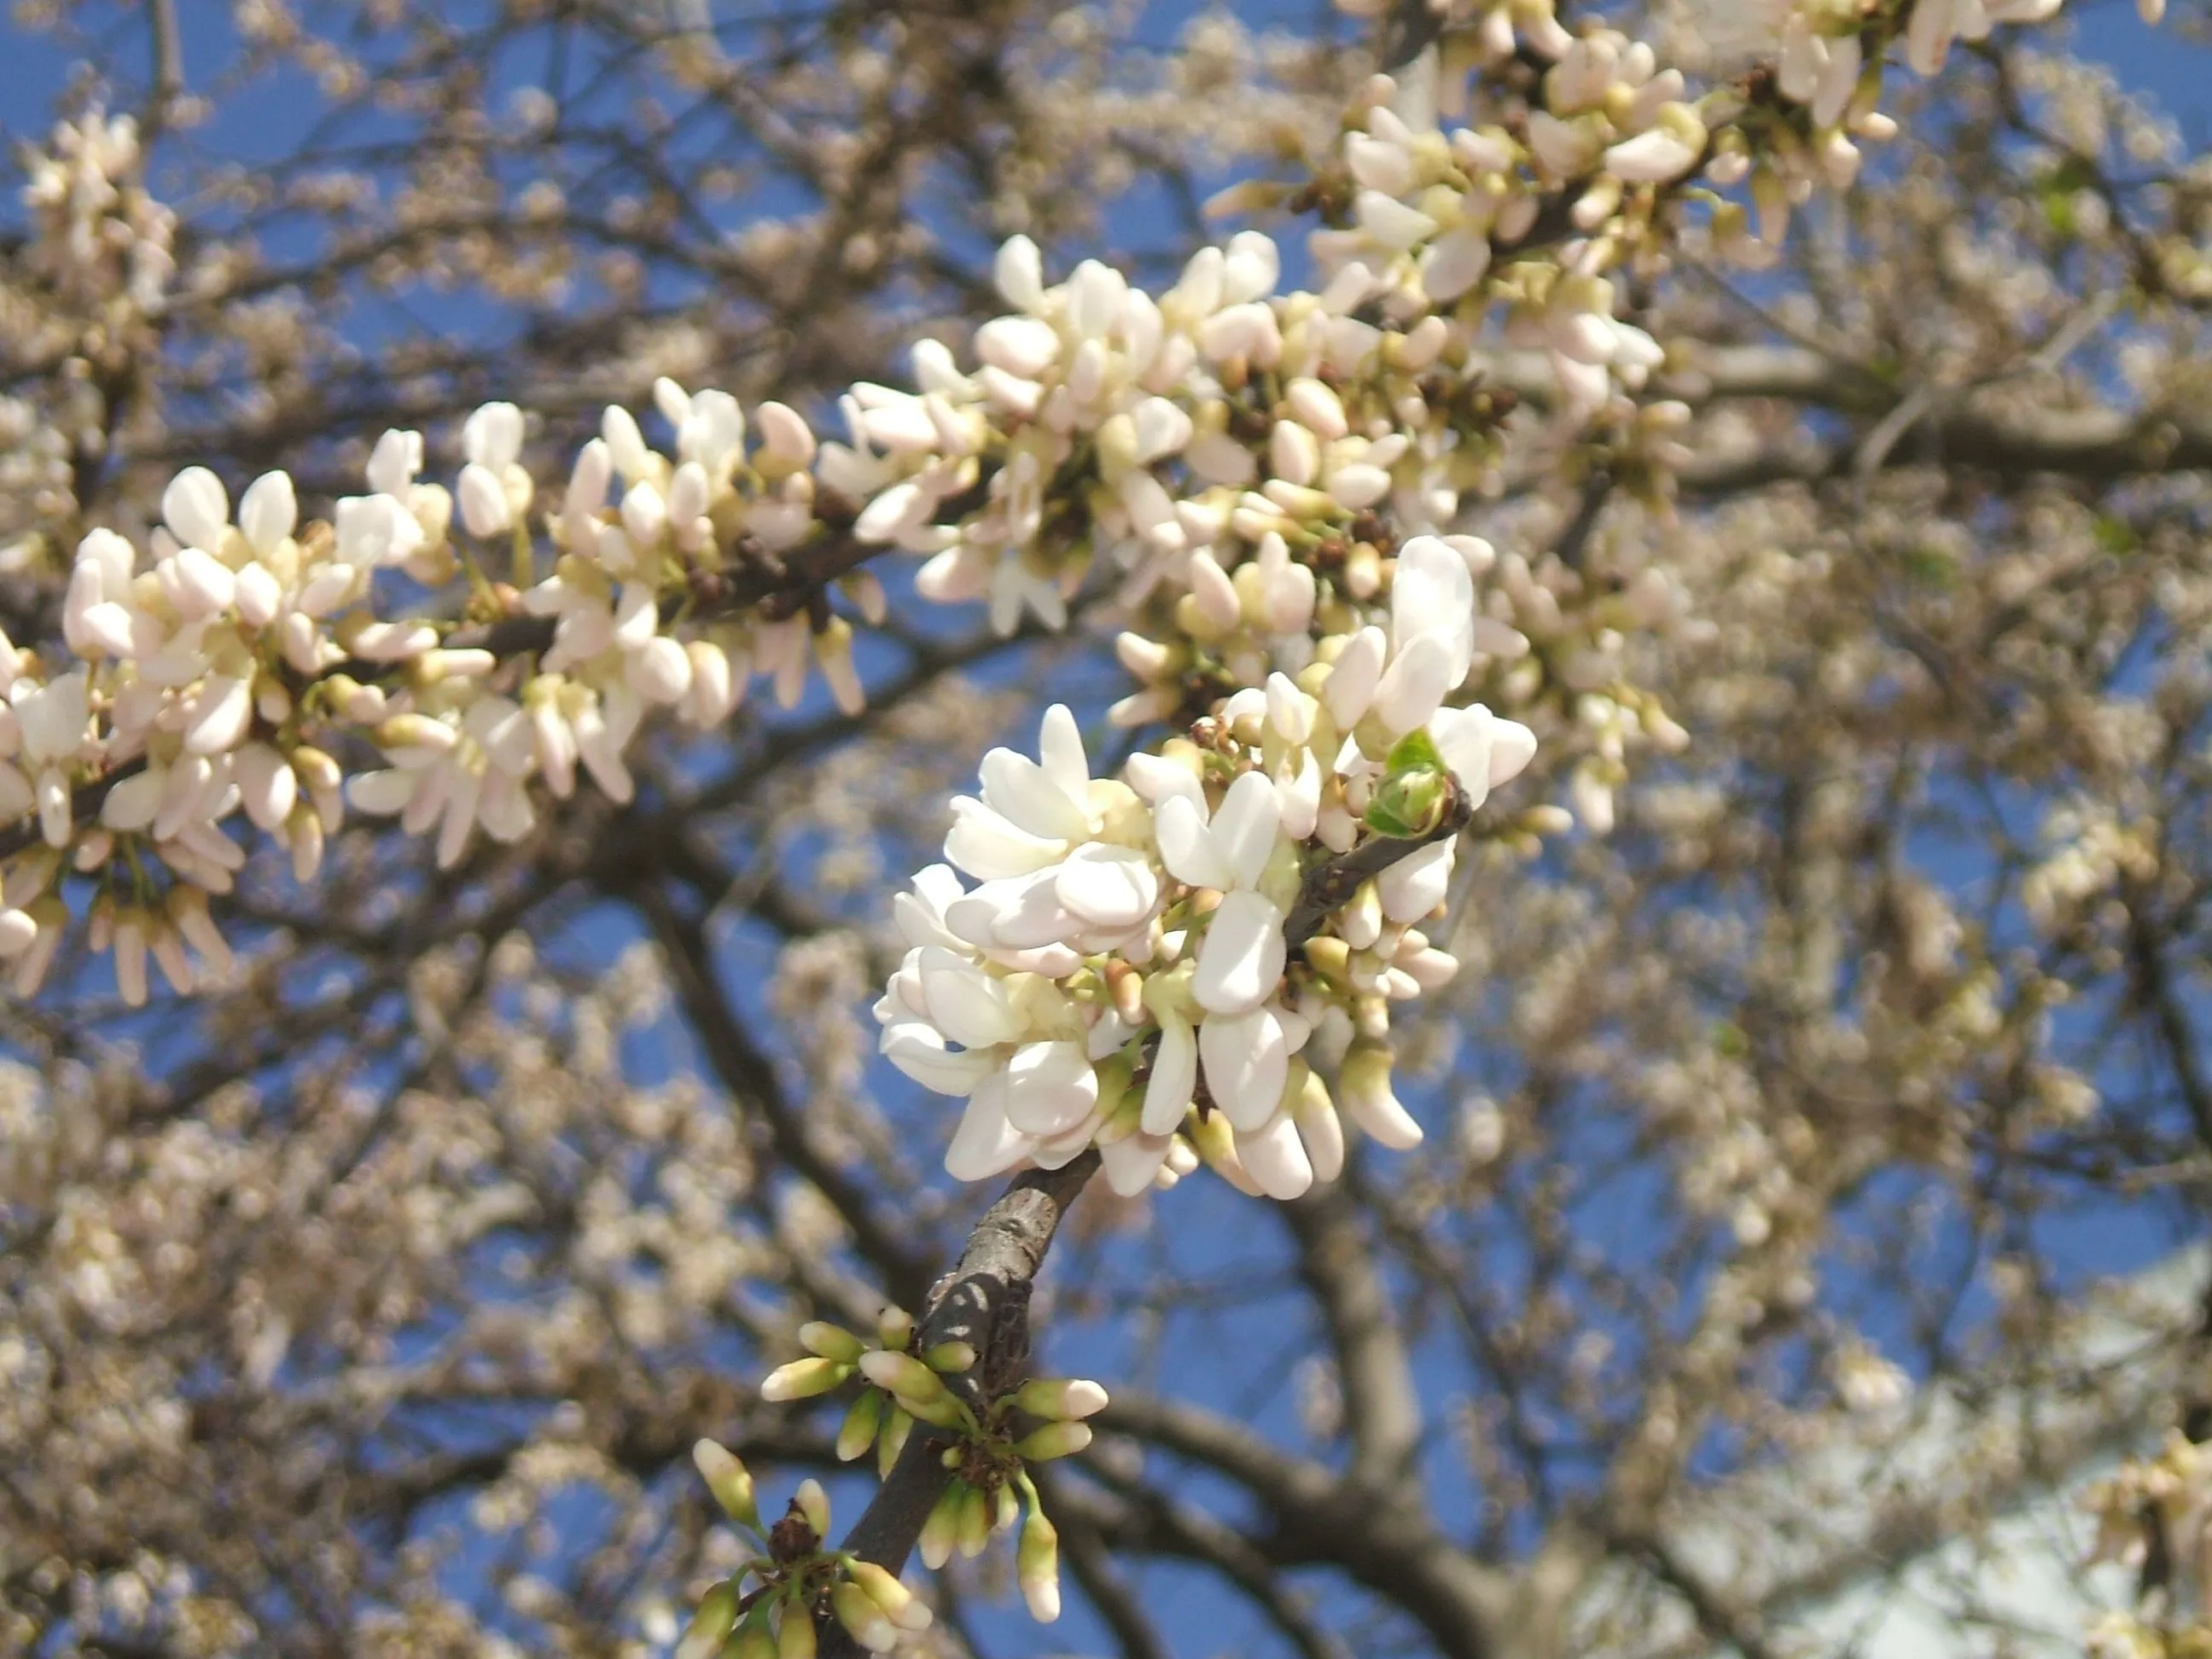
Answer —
(730, 1482)
(802, 1379)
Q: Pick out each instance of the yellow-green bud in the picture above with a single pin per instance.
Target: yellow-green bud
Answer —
(892, 1441)
(814, 1505)
(754, 1640)
(1037, 1562)
(716, 1617)
(950, 1358)
(794, 1632)
(1053, 1440)
(904, 1376)
(730, 1482)
(940, 1530)
(900, 1605)
(857, 1611)
(831, 1342)
(1064, 1399)
(894, 1329)
(857, 1432)
(802, 1379)
(975, 1524)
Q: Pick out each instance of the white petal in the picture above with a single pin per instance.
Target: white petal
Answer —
(917, 1048)
(1132, 1163)
(1512, 746)
(986, 846)
(1432, 592)
(1416, 883)
(985, 1143)
(1351, 685)
(268, 511)
(222, 711)
(1322, 1131)
(1464, 737)
(1059, 751)
(1174, 1077)
(1245, 827)
(1108, 887)
(1246, 1063)
(965, 1003)
(1187, 846)
(1240, 961)
(1050, 1088)
(132, 802)
(196, 508)
(1274, 1156)
(1021, 792)
(1413, 685)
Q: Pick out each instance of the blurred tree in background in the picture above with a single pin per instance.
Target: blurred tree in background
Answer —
(1813, 1099)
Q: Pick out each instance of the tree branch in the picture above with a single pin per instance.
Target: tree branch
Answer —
(984, 1301)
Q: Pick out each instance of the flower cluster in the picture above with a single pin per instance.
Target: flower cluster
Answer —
(224, 668)
(880, 1417)
(1122, 976)
(989, 1488)
(798, 1579)
(101, 240)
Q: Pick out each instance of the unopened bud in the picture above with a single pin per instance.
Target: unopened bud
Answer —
(975, 1524)
(902, 1375)
(831, 1342)
(892, 1441)
(1053, 1440)
(900, 1605)
(802, 1379)
(1061, 1398)
(730, 1482)
(950, 1358)
(894, 1329)
(711, 1626)
(795, 1635)
(940, 1531)
(813, 1506)
(857, 1611)
(857, 1432)
(1038, 1562)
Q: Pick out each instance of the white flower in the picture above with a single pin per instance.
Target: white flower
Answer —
(1030, 812)
(1241, 960)
(53, 721)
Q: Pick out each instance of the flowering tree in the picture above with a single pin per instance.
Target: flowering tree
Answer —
(1601, 857)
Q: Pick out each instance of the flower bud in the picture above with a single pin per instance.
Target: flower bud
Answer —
(730, 1482)
(940, 1531)
(904, 1376)
(1037, 1561)
(1367, 1095)
(802, 1379)
(794, 1634)
(974, 1531)
(857, 1611)
(1053, 1440)
(1061, 1398)
(857, 1432)
(813, 1506)
(831, 1342)
(950, 1358)
(892, 1441)
(716, 1617)
(900, 1605)
(753, 1641)
(894, 1329)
